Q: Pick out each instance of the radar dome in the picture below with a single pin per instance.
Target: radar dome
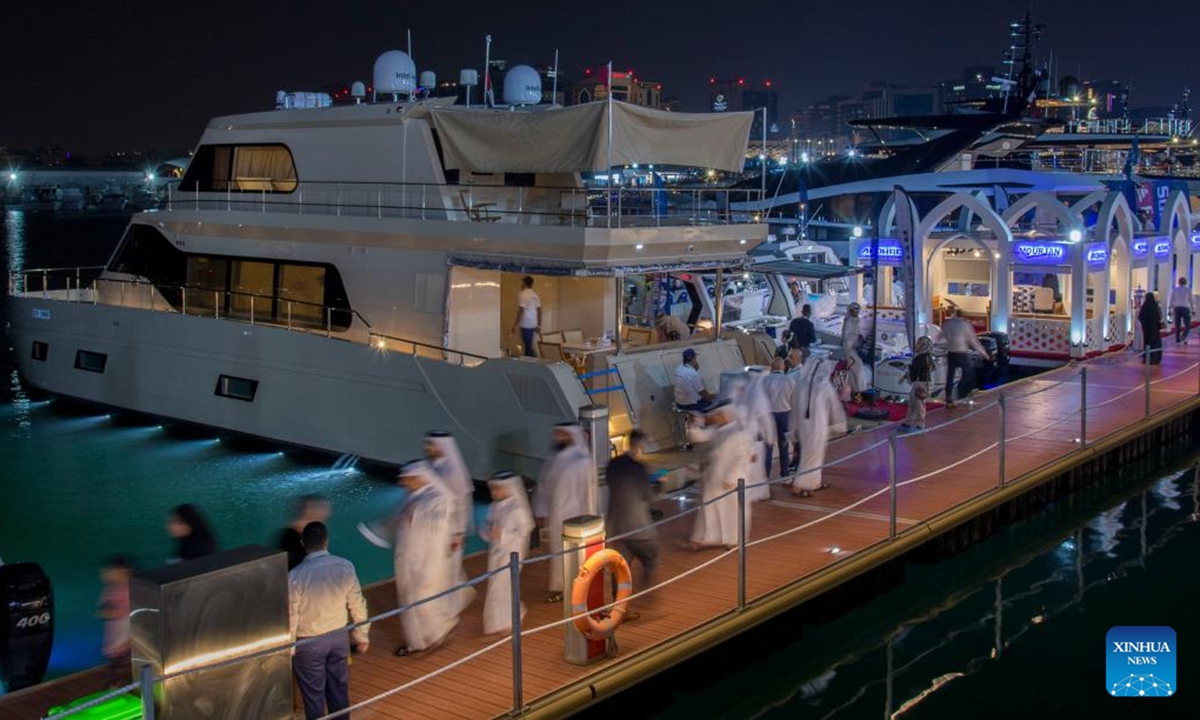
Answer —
(522, 86)
(395, 73)
(468, 77)
(428, 80)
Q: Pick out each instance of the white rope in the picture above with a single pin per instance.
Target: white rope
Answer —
(647, 591)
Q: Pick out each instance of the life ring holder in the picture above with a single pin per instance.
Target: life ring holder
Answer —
(590, 625)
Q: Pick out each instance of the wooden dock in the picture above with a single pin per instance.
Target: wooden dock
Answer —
(798, 549)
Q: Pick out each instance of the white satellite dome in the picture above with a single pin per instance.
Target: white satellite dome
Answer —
(428, 80)
(522, 86)
(468, 77)
(395, 73)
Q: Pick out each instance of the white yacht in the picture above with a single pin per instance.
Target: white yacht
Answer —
(344, 278)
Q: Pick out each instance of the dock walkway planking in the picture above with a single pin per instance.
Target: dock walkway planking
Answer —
(1042, 426)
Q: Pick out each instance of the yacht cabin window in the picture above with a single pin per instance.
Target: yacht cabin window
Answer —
(241, 168)
(288, 293)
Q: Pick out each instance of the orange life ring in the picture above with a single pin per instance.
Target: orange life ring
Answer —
(595, 627)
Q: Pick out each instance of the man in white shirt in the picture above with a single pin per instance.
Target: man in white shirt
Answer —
(529, 315)
(779, 388)
(1181, 310)
(690, 393)
(322, 590)
(960, 339)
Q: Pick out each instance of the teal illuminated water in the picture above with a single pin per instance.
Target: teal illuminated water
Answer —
(78, 485)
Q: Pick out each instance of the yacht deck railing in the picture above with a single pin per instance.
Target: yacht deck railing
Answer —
(617, 207)
(84, 285)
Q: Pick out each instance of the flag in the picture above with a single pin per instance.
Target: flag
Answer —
(904, 232)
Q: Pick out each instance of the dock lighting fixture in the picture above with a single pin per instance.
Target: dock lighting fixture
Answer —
(835, 550)
(804, 157)
(1075, 235)
(742, 241)
(12, 177)
(851, 152)
(639, 246)
(857, 231)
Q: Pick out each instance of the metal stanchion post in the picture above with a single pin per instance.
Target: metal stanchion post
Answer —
(741, 498)
(1003, 434)
(514, 574)
(147, 692)
(1146, 363)
(1083, 407)
(892, 482)
(329, 322)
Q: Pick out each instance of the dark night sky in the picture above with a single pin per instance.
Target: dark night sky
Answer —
(97, 76)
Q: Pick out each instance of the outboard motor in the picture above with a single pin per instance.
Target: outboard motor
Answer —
(986, 372)
(1002, 354)
(27, 626)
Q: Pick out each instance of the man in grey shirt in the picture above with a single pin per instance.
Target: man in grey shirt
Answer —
(960, 341)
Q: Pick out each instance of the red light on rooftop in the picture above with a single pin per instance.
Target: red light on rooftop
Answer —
(587, 71)
(658, 86)
(768, 83)
(712, 81)
(741, 81)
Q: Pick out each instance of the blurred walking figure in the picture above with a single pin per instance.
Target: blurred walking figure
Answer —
(446, 459)
(309, 508)
(815, 410)
(562, 493)
(423, 558)
(728, 458)
(960, 339)
(629, 496)
(920, 374)
(509, 523)
(851, 340)
(193, 537)
(323, 591)
(114, 610)
(1181, 310)
(779, 389)
(1150, 317)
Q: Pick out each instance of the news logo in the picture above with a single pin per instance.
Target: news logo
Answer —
(1140, 662)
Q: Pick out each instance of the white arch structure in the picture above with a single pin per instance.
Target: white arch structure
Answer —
(1001, 292)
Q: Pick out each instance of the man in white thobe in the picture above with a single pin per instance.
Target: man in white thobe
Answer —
(447, 462)
(562, 493)
(424, 559)
(509, 524)
(728, 457)
(815, 411)
(851, 339)
(756, 415)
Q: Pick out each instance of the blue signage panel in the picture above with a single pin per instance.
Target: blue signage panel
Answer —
(1096, 253)
(1039, 253)
(891, 252)
(1195, 242)
(1162, 247)
(1139, 248)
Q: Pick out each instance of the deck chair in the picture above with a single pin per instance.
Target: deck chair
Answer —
(550, 351)
(478, 212)
(554, 336)
(572, 336)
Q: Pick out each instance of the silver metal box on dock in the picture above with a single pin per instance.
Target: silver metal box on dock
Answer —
(211, 609)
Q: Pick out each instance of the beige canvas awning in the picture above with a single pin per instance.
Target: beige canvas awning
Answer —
(575, 139)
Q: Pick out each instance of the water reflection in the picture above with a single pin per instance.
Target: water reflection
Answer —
(14, 243)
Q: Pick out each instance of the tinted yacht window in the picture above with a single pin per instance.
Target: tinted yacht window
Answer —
(240, 168)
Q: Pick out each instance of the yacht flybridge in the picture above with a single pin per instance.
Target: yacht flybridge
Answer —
(345, 278)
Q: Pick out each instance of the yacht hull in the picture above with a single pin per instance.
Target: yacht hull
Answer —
(324, 393)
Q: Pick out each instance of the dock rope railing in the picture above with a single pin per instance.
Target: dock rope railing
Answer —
(148, 680)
